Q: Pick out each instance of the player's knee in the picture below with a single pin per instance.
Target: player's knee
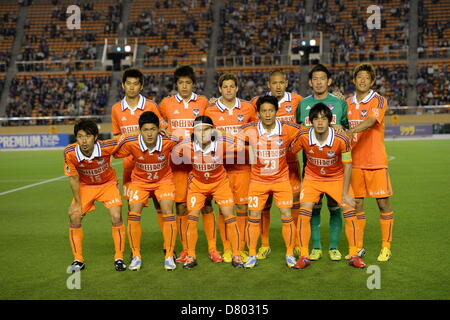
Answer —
(384, 205)
(75, 218)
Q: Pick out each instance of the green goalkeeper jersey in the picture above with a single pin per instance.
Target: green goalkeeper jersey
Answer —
(337, 106)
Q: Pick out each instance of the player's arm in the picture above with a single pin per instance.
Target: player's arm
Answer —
(346, 197)
(122, 149)
(74, 182)
(298, 115)
(366, 124)
(115, 125)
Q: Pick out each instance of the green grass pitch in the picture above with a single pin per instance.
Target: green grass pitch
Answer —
(35, 250)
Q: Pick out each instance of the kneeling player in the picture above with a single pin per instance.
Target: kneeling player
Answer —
(151, 176)
(328, 171)
(206, 151)
(88, 165)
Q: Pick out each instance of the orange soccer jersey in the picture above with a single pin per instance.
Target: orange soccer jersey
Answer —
(325, 162)
(151, 166)
(126, 120)
(269, 150)
(287, 106)
(180, 115)
(368, 149)
(93, 170)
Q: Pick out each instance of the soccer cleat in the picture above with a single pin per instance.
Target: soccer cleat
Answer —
(237, 262)
(290, 261)
(302, 263)
(227, 256)
(190, 262)
(251, 262)
(76, 266)
(297, 251)
(169, 264)
(356, 262)
(119, 265)
(315, 255)
(215, 256)
(361, 253)
(182, 257)
(135, 264)
(385, 255)
(335, 254)
(244, 255)
(263, 253)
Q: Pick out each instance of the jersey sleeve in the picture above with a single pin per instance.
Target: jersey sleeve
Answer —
(122, 149)
(344, 119)
(299, 118)
(378, 109)
(115, 123)
(346, 153)
(163, 109)
(297, 144)
(69, 166)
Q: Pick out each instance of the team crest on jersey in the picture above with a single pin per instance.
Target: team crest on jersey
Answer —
(81, 165)
(279, 142)
(288, 109)
(330, 154)
(240, 117)
(331, 106)
(67, 169)
(196, 112)
(100, 161)
(161, 157)
(363, 113)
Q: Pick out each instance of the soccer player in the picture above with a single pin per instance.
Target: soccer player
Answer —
(328, 170)
(287, 102)
(370, 176)
(206, 151)
(125, 120)
(269, 140)
(87, 163)
(228, 114)
(320, 81)
(151, 176)
(180, 111)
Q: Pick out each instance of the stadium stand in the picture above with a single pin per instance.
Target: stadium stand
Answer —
(8, 18)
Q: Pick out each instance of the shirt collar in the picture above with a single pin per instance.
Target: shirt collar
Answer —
(286, 98)
(222, 107)
(366, 99)
(211, 148)
(140, 104)
(179, 98)
(96, 153)
(275, 131)
(313, 140)
(158, 146)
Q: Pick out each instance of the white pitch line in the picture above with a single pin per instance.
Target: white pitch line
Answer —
(42, 182)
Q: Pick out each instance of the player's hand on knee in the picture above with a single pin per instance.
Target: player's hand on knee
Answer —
(75, 208)
(348, 200)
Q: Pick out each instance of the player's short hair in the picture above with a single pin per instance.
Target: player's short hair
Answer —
(267, 99)
(133, 73)
(277, 72)
(202, 120)
(319, 108)
(365, 67)
(184, 71)
(319, 68)
(148, 117)
(228, 76)
(87, 125)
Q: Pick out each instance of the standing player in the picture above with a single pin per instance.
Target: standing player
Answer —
(328, 170)
(206, 151)
(320, 81)
(370, 176)
(125, 120)
(87, 163)
(151, 176)
(287, 102)
(228, 114)
(180, 111)
(269, 140)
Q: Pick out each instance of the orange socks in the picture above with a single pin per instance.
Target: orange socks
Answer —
(76, 241)
(169, 233)
(295, 214)
(351, 230)
(134, 231)
(242, 222)
(304, 230)
(265, 227)
(181, 226)
(252, 233)
(233, 234)
(209, 226)
(361, 221)
(118, 235)
(288, 231)
(191, 234)
(160, 219)
(223, 234)
(386, 224)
